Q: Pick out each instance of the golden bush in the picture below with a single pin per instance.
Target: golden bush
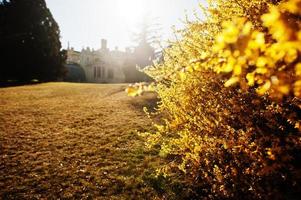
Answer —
(230, 91)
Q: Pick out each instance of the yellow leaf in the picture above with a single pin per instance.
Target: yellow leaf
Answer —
(263, 89)
(293, 6)
(298, 83)
(132, 91)
(275, 80)
(291, 55)
(260, 40)
(151, 88)
(236, 53)
(197, 66)
(297, 88)
(247, 28)
(251, 79)
(231, 81)
(189, 69)
(261, 62)
(284, 89)
(182, 75)
(261, 70)
(228, 67)
(270, 18)
(237, 70)
(298, 69)
(204, 55)
(297, 125)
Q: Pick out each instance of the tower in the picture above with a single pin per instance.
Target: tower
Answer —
(104, 44)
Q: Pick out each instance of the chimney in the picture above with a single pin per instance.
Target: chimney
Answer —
(104, 44)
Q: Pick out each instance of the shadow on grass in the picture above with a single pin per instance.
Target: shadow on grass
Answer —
(148, 100)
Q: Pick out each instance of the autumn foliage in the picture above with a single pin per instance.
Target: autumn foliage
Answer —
(230, 91)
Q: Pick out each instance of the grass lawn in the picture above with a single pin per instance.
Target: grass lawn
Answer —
(65, 140)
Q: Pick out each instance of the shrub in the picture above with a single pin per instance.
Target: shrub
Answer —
(230, 101)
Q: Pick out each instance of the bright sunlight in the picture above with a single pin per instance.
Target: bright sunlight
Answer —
(132, 11)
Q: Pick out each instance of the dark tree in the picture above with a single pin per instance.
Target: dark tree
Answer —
(132, 74)
(29, 42)
(75, 73)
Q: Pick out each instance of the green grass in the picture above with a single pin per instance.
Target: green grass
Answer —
(63, 140)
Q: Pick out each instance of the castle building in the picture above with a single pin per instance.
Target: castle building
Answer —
(100, 66)
(106, 66)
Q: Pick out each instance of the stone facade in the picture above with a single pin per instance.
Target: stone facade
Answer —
(100, 66)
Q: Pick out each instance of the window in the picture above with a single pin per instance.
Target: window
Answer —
(110, 74)
(98, 72)
(95, 72)
(102, 72)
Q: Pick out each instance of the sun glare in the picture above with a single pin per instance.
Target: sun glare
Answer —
(131, 10)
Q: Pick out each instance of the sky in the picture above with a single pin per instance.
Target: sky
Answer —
(84, 23)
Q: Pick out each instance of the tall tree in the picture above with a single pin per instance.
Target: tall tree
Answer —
(29, 42)
(146, 38)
